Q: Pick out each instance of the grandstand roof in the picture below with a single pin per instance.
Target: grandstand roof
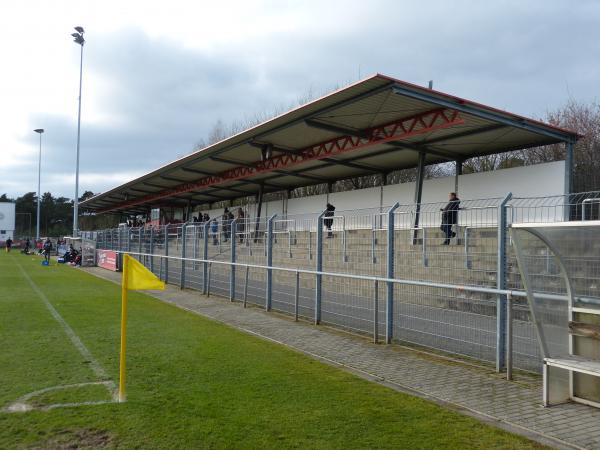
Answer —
(376, 125)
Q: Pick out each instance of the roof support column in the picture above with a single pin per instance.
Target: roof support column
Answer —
(458, 172)
(568, 178)
(188, 212)
(568, 167)
(419, 192)
(258, 211)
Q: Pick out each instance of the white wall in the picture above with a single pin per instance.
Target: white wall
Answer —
(529, 181)
(7, 220)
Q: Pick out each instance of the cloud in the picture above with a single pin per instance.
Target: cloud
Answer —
(156, 83)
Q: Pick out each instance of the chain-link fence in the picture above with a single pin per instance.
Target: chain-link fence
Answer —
(406, 242)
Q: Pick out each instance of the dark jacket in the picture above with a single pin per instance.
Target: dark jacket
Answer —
(329, 211)
(450, 212)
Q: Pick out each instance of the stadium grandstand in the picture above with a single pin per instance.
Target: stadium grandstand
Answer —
(385, 271)
(375, 126)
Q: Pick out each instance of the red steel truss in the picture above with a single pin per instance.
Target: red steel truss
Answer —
(417, 124)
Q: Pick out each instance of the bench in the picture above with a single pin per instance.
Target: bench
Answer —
(572, 364)
(570, 244)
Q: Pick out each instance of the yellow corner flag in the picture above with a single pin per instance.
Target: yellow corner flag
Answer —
(135, 277)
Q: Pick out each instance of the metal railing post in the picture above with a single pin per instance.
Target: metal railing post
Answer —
(152, 249)
(160, 263)
(166, 253)
(183, 255)
(501, 284)
(319, 268)
(205, 230)
(208, 280)
(424, 247)
(466, 246)
(140, 244)
(233, 239)
(509, 337)
(195, 247)
(246, 287)
(297, 296)
(389, 308)
(269, 243)
(376, 313)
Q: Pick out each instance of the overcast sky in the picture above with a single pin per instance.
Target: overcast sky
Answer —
(158, 75)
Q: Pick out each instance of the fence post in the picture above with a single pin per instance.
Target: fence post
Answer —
(183, 255)
(232, 237)
(166, 253)
(269, 293)
(246, 287)
(376, 312)
(205, 229)
(509, 338)
(501, 284)
(195, 247)
(319, 268)
(140, 258)
(389, 307)
(297, 296)
(151, 249)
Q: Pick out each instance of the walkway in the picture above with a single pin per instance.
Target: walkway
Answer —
(473, 390)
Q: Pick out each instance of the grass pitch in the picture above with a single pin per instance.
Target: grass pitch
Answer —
(192, 383)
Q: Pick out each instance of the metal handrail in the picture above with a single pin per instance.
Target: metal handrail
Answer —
(343, 218)
(281, 232)
(466, 244)
(401, 281)
(590, 201)
(423, 243)
(374, 230)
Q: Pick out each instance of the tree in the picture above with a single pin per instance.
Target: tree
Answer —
(86, 195)
(581, 117)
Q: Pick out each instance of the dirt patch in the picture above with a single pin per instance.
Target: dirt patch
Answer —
(76, 440)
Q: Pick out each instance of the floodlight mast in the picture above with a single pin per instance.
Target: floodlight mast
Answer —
(37, 229)
(78, 39)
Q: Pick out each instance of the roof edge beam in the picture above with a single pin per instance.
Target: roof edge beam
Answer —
(418, 148)
(461, 106)
(336, 128)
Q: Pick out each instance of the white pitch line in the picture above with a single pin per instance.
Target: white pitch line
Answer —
(22, 404)
(83, 350)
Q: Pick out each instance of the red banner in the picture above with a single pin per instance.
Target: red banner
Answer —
(107, 259)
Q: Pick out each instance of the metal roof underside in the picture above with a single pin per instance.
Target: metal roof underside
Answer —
(362, 129)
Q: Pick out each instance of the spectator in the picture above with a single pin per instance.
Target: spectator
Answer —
(71, 254)
(214, 230)
(205, 218)
(27, 246)
(329, 211)
(47, 249)
(226, 224)
(9, 242)
(241, 223)
(450, 217)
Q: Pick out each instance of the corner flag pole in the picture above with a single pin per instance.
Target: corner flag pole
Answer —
(124, 286)
(137, 278)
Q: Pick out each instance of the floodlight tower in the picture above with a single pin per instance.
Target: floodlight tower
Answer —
(37, 229)
(78, 39)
